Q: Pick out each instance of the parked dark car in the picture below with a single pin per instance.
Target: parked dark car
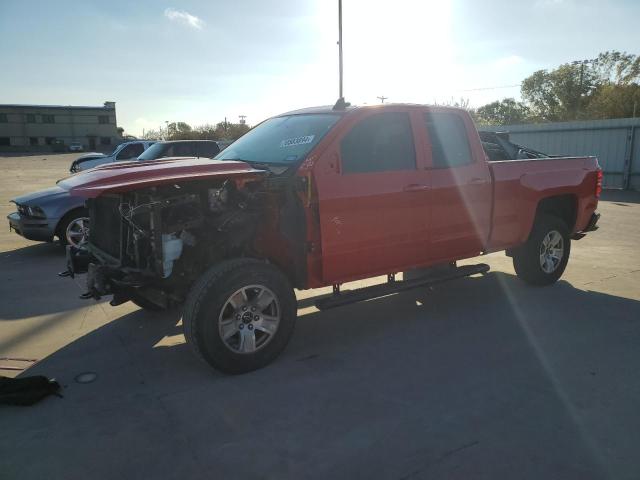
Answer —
(181, 148)
(124, 151)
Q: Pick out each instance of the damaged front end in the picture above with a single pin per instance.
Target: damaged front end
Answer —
(151, 244)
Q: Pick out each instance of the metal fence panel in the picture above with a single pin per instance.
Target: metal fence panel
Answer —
(634, 177)
(615, 142)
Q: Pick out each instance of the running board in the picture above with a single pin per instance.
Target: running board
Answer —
(391, 287)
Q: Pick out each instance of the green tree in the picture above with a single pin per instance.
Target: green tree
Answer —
(615, 101)
(619, 68)
(179, 131)
(560, 94)
(153, 134)
(502, 112)
(584, 90)
(184, 131)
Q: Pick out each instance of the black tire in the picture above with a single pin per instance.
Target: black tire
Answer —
(526, 258)
(66, 220)
(205, 304)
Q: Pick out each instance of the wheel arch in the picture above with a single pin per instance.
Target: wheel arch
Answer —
(564, 207)
(64, 218)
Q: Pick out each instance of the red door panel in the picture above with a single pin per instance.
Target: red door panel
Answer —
(461, 188)
(370, 222)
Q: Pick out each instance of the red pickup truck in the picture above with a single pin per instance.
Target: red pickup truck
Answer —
(319, 197)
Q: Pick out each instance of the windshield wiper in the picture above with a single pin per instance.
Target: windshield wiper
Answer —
(263, 165)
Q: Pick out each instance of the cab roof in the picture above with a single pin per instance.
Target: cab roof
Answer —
(351, 108)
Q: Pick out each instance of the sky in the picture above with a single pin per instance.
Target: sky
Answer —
(201, 61)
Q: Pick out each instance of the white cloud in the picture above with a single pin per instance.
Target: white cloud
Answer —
(183, 17)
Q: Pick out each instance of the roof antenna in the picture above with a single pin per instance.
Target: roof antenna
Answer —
(340, 104)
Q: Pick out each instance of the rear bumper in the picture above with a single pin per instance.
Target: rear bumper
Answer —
(40, 230)
(593, 221)
(592, 225)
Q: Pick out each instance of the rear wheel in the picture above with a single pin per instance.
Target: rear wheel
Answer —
(543, 258)
(240, 315)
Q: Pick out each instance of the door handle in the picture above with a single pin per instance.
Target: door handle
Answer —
(477, 181)
(416, 187)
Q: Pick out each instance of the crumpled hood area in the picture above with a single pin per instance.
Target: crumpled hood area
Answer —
(129, 176)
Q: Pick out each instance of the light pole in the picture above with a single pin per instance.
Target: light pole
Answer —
(340, 96)
(382, 98)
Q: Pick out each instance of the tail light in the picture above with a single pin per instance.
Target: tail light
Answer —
(599, 182)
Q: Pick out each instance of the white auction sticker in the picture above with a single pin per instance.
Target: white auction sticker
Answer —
(292, 142)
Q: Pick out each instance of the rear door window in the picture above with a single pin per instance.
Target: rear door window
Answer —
(208, 149)
(183, 149)
(449, 141)
(381, 142)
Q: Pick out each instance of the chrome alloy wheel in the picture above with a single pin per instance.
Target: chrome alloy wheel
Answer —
(551, 251)
(249, 319)
(77, 233)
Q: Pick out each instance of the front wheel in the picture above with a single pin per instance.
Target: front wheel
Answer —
(74, 228)
(240, 315)
(543, 258)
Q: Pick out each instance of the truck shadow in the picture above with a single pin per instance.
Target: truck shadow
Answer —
(487, 308)
(30, 286)
(35, 251)
(486, 351)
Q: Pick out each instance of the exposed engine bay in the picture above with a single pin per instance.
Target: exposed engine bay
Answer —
(153, 243)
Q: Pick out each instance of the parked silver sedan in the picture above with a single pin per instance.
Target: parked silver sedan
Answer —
(51, 213)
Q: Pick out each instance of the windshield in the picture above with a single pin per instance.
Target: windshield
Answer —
(115, 150)
(280, 140)
(155, 151)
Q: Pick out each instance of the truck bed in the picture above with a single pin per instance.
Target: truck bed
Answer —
(519, 184)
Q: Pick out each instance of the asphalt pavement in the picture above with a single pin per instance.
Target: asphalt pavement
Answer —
(481, 378)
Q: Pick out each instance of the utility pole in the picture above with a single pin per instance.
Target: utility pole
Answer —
(340, 46)
(242, 119)
(382, 98)
(582, 63)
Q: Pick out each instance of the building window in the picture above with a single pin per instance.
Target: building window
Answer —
(5, 141)
(49, 140)
(103, 118)
(3, 118)
(31, 118)
(48, 119)
(105, 140)
(33, 140)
